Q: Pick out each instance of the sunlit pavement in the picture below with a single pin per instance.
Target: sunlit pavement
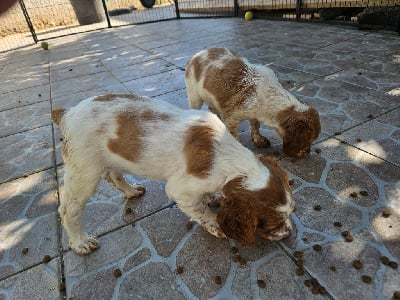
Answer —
(149, 249)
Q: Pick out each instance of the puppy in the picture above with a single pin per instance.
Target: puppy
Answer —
(237, 90)
(191, 150)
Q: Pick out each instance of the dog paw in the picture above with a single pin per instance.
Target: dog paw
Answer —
(261, 142)
(137, 191)
(87, 246)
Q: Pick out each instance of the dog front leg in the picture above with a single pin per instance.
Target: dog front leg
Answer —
(258, 140)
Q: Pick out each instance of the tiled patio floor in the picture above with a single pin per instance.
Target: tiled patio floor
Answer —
(352, 183)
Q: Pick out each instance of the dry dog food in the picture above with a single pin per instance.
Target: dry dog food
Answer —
(128, 210)
(318, 151)
(357, 264)
(61, 286)
(234, 250)
(46, 258)
(25, 250)
(367, 279)
(333, 268)
(189, 225)
(236, 258)
(217, 279)
(261, 284)
(298, 254)
(385, 260)
(363, 193)
(393, 264)
(353, 194)
(396, 295)
(337, 224)
(300, 271)
(179, 270)
(307, 282)
(300, 262)
(317, 207)
(317, 248)
(117, 273)
(385, 213)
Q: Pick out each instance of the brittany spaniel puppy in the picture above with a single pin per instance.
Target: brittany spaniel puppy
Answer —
(191, 150)
(237, 90)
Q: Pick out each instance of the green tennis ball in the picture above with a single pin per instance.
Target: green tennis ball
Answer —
(248, 15)
(45, 45)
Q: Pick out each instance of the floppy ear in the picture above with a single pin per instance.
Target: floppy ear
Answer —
(236, 217)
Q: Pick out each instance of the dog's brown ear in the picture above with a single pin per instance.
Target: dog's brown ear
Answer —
(240, 226)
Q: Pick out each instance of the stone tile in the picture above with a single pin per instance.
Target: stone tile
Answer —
(165, 229)
(390, 283)
(157, 84)
(279, 284)
(114, 247)
(345, 282)
(121, 57)
(25, 153)
(309, 168)
(83, 69)
(388, 229)
(26, 77)
(376, 137)
(342, 105)
(203, 257)
(136, 259)
(70, 59)
(19, 98)
(82, 83)
(34, 283)
(142, 69)
(331, 210)
(178, 98)
(24, 118)
(154, 280)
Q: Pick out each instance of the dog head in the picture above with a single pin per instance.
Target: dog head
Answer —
(298, 130)
(246, 213)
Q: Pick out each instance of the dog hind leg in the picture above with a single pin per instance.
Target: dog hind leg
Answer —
(117, 180)
(258, 140)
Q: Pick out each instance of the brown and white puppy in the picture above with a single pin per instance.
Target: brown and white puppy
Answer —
(237, 90)
(191, 150)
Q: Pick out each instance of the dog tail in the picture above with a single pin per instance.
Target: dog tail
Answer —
(57, 114)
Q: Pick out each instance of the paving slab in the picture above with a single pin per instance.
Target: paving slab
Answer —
(345, 242)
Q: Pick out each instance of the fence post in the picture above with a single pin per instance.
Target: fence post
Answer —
(28, 20)
(178, 15)
(236, 8)
(298, 10)
(106, 13)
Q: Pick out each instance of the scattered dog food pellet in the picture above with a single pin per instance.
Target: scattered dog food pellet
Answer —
(370, 116)
(25, 250)
(396, 295)
(349, 238)
(345, 233)
(385, 260)
(61, 286)
(300, 271)
(357, 264)
(363, 193)
(46, 258)
(117, 273)
(234, 250)
(359, 140)
(305, 240)
(261, 284)
(337, 224)
(333, 268)
(300, 262)
(236, 258)
(128, 210)
(359, 73)
(385, 213)
(40, 95)
(217, 279)
(61, 139)
(179, 270)
(322, 290)
(291, 181)
(314, 281)
(70, 70)
(317, 248)
(318, 151)
(189, 225)
(315, 290)
(338, 133)
(353, 194)
(307, 282)
(366, 279)
(317, 207)
(243, 261)
(298, 254)
(393, 264)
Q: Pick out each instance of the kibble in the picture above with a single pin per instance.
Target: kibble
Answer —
(291, 181)
(393, 264)
(300, 271)
(337, 224)
(353, 194)
(317, 248)
(298, 254)
(370, 116)
(128, 210)
(236, 258)
(364, 193)
(179, 270)
(243, 261)
(315, 290)
(317, 207)
(386, 213)
(307, 282)
(338, 133)
(357, 264)
(300, 262)
(333, 268)
(345, 233)
(25, 250)
(385, 260)
(261, 284)
(61, 286)
(46, 258)
(349, 238)
(217, 279)
(396, 295)
(367, 279)
(318, 150)
(234, 250)
(359, 140)
(189, 225)
(117, 273)
(314, 282)
(322, 290)
(359, 73)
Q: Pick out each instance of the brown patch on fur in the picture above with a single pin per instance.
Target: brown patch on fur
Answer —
(229, 83)
(300, 130)
(57, 114)
(149, 115)
(199, 150)
(110, 97)
(215, 53)
(194, 64)
(128, 143)
(244, 213)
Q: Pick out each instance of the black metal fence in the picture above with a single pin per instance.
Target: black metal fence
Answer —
(31, 21)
